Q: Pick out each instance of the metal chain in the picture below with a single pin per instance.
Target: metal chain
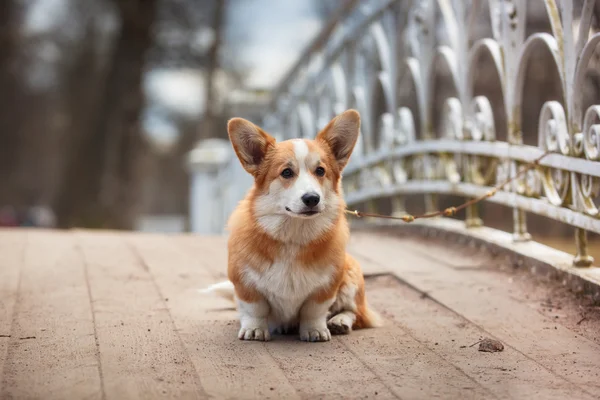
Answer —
(450, 211)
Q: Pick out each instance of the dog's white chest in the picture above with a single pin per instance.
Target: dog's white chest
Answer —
(286, 285)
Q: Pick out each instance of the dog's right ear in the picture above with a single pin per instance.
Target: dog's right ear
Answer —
(340, 135)
(249, 142)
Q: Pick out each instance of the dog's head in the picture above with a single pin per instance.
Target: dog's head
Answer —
(296, 178)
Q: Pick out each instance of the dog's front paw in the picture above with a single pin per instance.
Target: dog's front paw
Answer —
(315, 334)
(261, 334)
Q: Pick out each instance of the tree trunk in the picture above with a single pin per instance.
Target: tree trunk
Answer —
(83, 83)
(208, 121)
(102, 184)
(9, 82)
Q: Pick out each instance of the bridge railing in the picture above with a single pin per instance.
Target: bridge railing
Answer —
(454, 97)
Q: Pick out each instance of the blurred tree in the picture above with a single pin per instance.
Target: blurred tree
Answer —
(188, 36)
(71, 100)
(9, 37)
(208, 120)
(85, 79)
(102, 181)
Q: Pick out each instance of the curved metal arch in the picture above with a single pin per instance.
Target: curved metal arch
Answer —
(555, 22)
(293, 126)
(411, 65)
(491, 47)
(584, 59)
(324, 108)
(306, 120)
(480, 109)
(535, 41)
(382, 46)
(380, 85)
(446, 57)
(360, 66)
(339, 83)
(332, 91)
(272, 126)
(359, 101)
(448, 12)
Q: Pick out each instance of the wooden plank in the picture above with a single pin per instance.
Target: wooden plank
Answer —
(455, 256)
(235, 369)
(52, 353)
(409, 368)
(207, 248)
(509, 374)
(141, 353)
(12, 245)
(228, 367)
(326, 370)
(483, 300)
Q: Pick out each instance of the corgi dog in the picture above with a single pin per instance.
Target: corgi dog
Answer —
(288, 268)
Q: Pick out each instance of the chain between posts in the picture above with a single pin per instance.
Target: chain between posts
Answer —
(450, 211)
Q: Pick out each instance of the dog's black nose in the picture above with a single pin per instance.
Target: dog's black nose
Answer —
(311, 199)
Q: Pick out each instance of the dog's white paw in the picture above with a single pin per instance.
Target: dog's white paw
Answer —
(340, 324)
(252, 333)
(315, 334)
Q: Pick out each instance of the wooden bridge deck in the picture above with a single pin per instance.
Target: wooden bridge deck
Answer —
(117, 316)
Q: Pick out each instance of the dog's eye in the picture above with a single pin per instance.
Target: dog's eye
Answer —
(287, 173)
(320, 171)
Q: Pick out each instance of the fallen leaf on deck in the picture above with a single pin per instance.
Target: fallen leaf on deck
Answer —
(490, 345)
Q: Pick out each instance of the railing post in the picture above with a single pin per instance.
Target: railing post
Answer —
(431, 202)
(520, 233)
(398, 206)
(472, 219)
(204, 163)
(371, 206)
(582, 258)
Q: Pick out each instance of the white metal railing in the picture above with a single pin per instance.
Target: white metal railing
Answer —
(384, 59)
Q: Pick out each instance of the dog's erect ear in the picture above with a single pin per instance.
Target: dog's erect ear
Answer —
(340, 135)
(249, 142)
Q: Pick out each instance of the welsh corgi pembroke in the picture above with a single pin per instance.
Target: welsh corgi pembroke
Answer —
(288, 268)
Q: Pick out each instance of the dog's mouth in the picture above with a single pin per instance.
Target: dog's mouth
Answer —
(307, 213)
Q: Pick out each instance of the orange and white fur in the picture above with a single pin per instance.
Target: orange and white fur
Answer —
(288, 266)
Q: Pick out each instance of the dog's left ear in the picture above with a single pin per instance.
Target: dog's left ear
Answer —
(250, 143)
(340, 135)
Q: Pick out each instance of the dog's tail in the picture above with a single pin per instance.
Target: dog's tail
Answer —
(372, 318)
(223, 289)
(366, 317)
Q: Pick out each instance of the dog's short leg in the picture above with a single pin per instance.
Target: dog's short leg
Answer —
(313, 320)
(343, 311)
(253, 318)
(341, 323)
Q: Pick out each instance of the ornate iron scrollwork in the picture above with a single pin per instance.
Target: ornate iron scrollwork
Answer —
(470, 153)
